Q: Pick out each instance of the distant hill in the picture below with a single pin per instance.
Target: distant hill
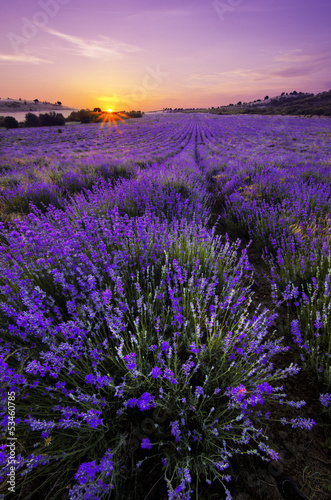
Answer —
(295, 103)
(12, 105)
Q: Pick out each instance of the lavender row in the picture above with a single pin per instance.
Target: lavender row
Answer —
(283, 205)
(77, 161)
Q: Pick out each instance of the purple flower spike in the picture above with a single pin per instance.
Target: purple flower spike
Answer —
(146, 444)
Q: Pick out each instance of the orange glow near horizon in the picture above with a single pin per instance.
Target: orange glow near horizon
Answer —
(108, 117)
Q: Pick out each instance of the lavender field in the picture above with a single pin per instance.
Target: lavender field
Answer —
(165, 308)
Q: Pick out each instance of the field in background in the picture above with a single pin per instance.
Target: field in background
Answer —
(167, 351)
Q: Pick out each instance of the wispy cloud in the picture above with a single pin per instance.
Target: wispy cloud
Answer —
(22, 58)
(290, 72)
(292, 64)
(270, 71)
(228, 76)
(293, 56)
(204, 77)
(297, 56)
(101, 48)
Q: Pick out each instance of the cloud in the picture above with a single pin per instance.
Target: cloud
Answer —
(199, 76)
(295, 63)
(293, 56)
(22, 58)
(297, 56)
(227, 76)
(102, 48)
(290, 72)
(271, 71)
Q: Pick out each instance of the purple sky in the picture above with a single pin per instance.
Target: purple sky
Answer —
(150, 54)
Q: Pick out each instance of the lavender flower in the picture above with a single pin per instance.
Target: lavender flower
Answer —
(146, 444)
(325, 399)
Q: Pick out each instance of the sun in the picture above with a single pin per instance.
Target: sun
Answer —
(109, 116)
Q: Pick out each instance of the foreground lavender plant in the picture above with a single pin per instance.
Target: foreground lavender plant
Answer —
(128, 340)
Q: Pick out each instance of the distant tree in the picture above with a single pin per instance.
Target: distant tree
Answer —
(59, 103)
(31, 120)
(10, 122)
(283, 93)
(295, 92)
(239, 103)
(135, 114)
(36, 101)
(51, 119)
(85, 116)
(73, 117)
(97, 110)
(266, 97)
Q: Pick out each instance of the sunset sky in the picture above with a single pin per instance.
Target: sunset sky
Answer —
(151, 54)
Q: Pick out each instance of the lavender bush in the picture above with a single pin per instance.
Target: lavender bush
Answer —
(131, 343)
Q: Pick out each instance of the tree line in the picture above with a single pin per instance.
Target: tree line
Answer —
(57, 119)
(88, 116)
(32, 120)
